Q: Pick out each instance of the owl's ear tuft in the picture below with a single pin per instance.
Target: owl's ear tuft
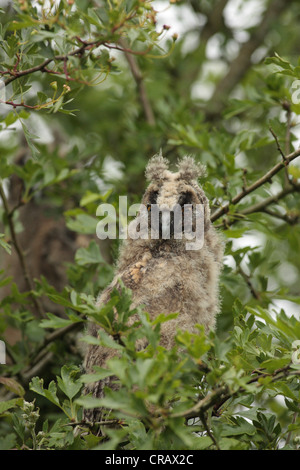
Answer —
(190, 170)
(156, 167)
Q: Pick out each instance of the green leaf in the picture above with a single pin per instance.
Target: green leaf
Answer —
(89, 255)
(240, 427)
(103, 339)
(12, 385)
(203, 442)
(88, 402)
(11, 118)
(273, 364)
(124, 402)
(7, 405)
(68, 383)
(8, 442)
(55, 322)
(37, 386)
(30, 139)
(99, 374)
(5, 245)
(90, 197)
(277, 60)
(83, 223)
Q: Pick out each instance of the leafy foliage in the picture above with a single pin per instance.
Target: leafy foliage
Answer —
(92, 90)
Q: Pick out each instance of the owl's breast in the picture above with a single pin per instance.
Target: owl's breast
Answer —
(157, 284)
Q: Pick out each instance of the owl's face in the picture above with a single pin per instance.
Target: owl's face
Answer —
(174, 206)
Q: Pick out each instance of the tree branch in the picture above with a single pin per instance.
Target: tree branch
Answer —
(221, 394)
(277, 143)
(247, 278)
(21, 256)
(257, 184)
(138, 77)
(262, 207)
(62, 57)
(291, 219)
(85, 45)
(207, 429)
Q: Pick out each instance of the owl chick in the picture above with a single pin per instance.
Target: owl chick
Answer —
(163, 275)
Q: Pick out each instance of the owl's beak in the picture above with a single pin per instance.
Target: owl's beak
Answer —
(167, 223)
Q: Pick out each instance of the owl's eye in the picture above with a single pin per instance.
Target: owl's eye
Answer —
(185, 198)
(152, 197)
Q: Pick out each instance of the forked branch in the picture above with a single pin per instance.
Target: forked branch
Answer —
(257, 184)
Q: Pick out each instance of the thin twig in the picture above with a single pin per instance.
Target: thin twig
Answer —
(206, 427)
(20, 253)
(247, 278)
(223, 393)
(42, 355)
(277, 143)
(85, 45)
(125, 49)
(23, 105)
(262, 207)
(108, 422)
(287, 148)
(204, 404)
(290, 218)
(257, 184)
(295, 416)
(62, 57)
(26, 376)
(287, 106)
(138, 77)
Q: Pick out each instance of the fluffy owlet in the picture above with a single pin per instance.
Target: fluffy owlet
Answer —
(165, 271)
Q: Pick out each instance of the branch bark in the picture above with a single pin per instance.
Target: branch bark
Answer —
(262, 206)
(247, 279)
(223, 393)
(257, 184)
(138, 77)
(85, 45)
(42, 66)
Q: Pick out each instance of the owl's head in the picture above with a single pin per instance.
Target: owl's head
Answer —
(180, 189)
